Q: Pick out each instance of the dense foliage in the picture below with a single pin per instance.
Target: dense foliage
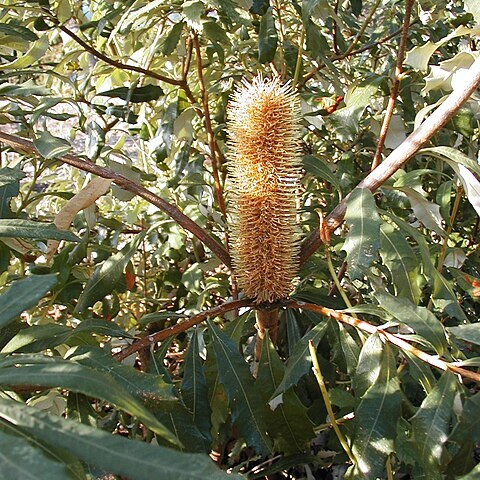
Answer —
(114, 225)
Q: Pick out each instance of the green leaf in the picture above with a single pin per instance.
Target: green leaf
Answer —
(376, 419)
(88, 381)
(36, 51)
(267, 37)
(469, 333)
(107, 275)
(468, 429)
(363, 239)
(247, 408)
(369, 365)
(319, 168)
(288, 424)
(23, 461)
(37, 338)
(401, 260)
(24, 294)
(112, 453)
(49, 146)
(15, 228)
(10, 175)
(474, 8)
(430, 425)
(473, 475)
(420, 319)
(259, 7)
(194, 388)
(146, 93)
(171, 40)
(300, 361)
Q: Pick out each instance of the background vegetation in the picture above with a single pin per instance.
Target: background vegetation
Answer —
(113, 127)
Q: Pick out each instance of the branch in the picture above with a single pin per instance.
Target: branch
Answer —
(432, 360)
(181, 327)
(396, 84)
(410, 146)
(27, 146)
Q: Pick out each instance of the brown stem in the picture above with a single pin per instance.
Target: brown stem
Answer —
(409, 147)
(396, 84)
(27, 146)
(390, 337)
(208, 127)
(181, 327)
(266, 319)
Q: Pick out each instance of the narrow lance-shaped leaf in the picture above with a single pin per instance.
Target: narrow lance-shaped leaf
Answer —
(107, 275)
(376, 420)
(288, 424)
(420, 319)
(267, 37)
(24, 294)
(19, 460)
(80, 378)
(112, 453)
(300, 361)
(29, 229)
(363, 239)
(247, 408)
(430, 425)
(194, 388)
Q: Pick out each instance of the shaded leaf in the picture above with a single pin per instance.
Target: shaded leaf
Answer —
(300, 361)
(468, 333)
(267, 37)
(23, 461)
(288, 424)
(430, 425)
(115, 454)
(247, 408)
(107, 275)
(29, 229)
(363, 239)
(10, 175)
(171, 40)
(320, 169)
(146, 93)
(24, 294)
(420, 319)
(49, 146)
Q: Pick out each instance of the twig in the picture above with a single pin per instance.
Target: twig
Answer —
(363, 27)
(208, 127)
(390, 337)
(181, 327)
(396, 84)
(401, 154)
(321, 383)
(188, 224)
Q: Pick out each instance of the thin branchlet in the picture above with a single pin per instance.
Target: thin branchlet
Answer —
(264, 168)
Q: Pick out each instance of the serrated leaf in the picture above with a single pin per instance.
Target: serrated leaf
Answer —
(19, 460)
(194, 388)
(88, 381)
(247, 409)
(420, 319)
(50, 147)
(398, 256)
(112, 453)
(363, 239)
(107, 275)
(15, 228)
(171, 40)
(288, 424)
(376, 420)
(267, 37)
(300, 361)
(430, 425)
(146, 93)
(24, 294)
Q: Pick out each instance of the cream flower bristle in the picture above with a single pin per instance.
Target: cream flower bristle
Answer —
(264, 129)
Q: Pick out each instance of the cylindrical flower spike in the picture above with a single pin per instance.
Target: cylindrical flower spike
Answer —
(264, 130)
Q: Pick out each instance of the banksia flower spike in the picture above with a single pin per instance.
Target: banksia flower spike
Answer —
(264, 126)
